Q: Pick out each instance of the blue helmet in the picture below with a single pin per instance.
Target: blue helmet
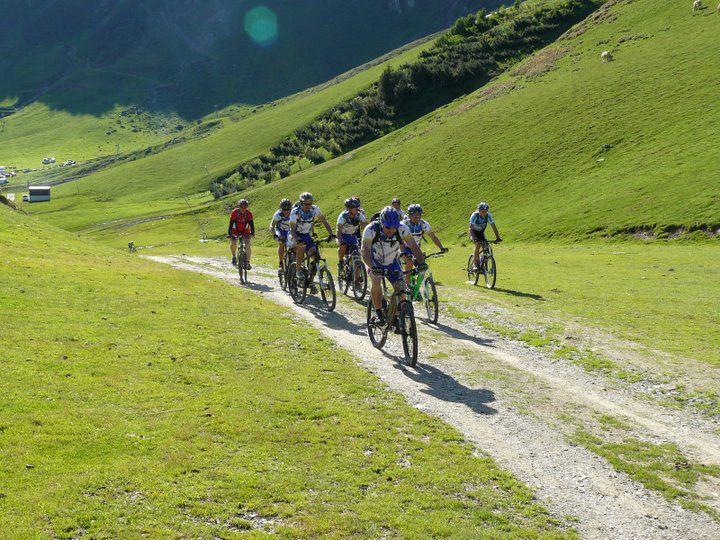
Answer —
(352, 202)
(390, 218)
(483, 206)
(414, 209)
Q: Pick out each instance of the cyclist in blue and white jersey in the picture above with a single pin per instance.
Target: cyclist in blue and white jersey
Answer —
(380, 252)
(418, 228)
(479, 221)
(302, 222)
(280, 227)
(348, 224)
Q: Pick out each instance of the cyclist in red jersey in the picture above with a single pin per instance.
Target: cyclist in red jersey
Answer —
(241, 224)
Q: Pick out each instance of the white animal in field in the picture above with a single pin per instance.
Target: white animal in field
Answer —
(697, 4)
(606, 56)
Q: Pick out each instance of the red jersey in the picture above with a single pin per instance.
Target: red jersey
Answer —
(240, 221)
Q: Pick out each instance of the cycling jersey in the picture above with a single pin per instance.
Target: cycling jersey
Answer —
(304, 221)
(478, 223)
(281, 225)
(241, 223)
(385, 250)
(348, 224)
(418, 229)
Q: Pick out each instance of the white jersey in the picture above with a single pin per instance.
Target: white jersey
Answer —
(281, 222)
(386, 250)
(417, 230)
(304, 221)
(348, 224)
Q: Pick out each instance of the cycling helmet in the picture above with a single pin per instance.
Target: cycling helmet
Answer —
(285, 204)
(396, 201)
(306, 197)
(243, 203)
(414, 209)
(352, 202)
(483, 206)
(390, 218)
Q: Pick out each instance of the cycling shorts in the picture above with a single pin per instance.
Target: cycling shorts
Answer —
(479, 236)
(307, 240)
(282, 235)
(236, 234)
(394, 271)
(349, 239)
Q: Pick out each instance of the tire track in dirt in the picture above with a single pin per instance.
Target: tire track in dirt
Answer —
(568, 479)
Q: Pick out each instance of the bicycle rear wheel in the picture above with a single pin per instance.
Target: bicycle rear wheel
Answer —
(359, 279)
(431, 300)
(490, 272)
(297, 290)
(327, 288)
(472, 273)
(408, 330)
(377, 333)
(282, 277)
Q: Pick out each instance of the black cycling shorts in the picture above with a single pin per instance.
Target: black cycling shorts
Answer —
(479, 236)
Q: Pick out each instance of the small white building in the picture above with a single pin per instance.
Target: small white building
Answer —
(39, 193)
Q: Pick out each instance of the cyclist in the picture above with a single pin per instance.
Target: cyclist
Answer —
(478, 223)
(397, 205)
(418, 227)
(302, 222)
(348, 224)
(241, 225)
(380, 249)
(280, 227)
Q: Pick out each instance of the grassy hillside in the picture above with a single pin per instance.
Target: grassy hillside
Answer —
(141, 401)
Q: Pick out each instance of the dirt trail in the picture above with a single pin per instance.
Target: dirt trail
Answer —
(568, 479)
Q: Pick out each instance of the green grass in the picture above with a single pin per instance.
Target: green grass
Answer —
(142, 400)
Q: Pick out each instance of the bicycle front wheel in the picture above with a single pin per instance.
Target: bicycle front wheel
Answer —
(242, 271)
(490, 272)
(408, 330)
(432, 306)
(376, 332)
(297, 290)
(359, 280)
(344, 278)
(327, 289)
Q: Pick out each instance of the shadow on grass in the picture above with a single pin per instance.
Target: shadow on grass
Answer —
(520, 294)
(257, 287)
(455, 333)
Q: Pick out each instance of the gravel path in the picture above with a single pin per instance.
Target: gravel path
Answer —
(568, 479)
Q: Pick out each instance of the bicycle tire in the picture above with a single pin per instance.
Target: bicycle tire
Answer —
(241, 264)
(297, 292)
(344, 278)
(327, 289)
(282, 278)
(408, 330)
(359, 280)
(378, 335)
(473, 275)
(490, 272)
(432, 306)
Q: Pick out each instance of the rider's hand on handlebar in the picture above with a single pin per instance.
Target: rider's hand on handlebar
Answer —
(422, 267)
(377, 271)
(498, 240)
(444, 250)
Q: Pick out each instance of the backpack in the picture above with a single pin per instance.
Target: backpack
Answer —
(378, 226)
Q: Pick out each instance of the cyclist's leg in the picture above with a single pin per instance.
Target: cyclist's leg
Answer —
(342, 251)
(247, 240)
(233, 246)
(281, 252)
(479, 237)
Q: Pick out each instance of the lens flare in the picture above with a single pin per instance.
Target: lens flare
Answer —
(261, 25)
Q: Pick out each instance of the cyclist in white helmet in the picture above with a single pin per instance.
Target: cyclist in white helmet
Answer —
(348, 224)
(280, 227)
(479, 221)
(302, 222)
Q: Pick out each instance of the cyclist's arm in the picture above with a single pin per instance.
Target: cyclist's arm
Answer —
(338, 233)
(497, 234)
(435, 239)
(367, 253)
(327, 225)
(273, 225)
(252, 227)
(230, 227)
(470, 234)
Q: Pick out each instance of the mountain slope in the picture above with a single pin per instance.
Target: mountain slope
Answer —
(189, 57)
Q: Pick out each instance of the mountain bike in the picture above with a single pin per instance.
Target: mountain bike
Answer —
(242, 260)
(353, 274)
(284, 271)
(487, 267)
(398, 313)
(422, 289)
(317, 266)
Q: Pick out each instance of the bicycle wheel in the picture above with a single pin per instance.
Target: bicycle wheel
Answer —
(241, 264)
(490, 272)
(377, 334)
(471, 272)
(327, 288)
(344, 278)
(282, 277)
(359, 279)
(408, 330)
(297, 291)
(431, 300)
